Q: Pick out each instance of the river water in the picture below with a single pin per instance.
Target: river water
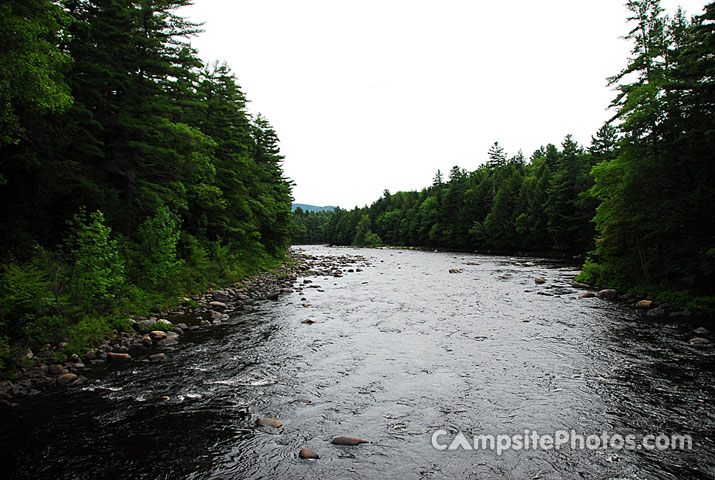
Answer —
(397, 351)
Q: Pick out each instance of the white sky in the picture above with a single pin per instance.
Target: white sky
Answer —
(371, 95)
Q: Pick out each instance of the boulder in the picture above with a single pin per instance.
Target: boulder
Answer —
(308, 321)
(143, 325)
(699, 341)
(608, 294)
(656, 312)
(644, 304)
(221, 296)
(167, 342)
(587, 295)
(580, 285)
(164, 321)
(118, 357)
(308, 453)
(66, 378)
(702, 331)
(217, 305)
(455, 270)
(157, 335)
(539, 280)
(268, 422)
(157, 357)
(54, 369)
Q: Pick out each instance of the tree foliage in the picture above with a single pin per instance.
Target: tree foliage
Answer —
(105, 107)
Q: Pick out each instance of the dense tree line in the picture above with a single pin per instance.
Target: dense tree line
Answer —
(309, 227)
(639, 200)
(129, 169)
(507, 205)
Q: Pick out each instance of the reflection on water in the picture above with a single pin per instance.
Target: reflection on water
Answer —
(396, 352)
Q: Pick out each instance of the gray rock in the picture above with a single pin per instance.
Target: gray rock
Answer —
(143, 325)
(699, 341)
(702, 331)
(167, 342)
(221, 296)
(608, 294)
(66, 378)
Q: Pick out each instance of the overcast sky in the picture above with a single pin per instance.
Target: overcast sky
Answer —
(372, 95)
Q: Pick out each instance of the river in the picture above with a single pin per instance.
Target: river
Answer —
(398, 351)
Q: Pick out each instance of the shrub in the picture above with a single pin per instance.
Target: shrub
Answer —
(98, 270)
(87, 333)
(157, 260)
(26, 302)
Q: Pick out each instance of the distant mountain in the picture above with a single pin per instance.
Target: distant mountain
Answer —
(312, 208)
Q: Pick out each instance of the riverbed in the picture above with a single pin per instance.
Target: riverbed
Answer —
(397, 351)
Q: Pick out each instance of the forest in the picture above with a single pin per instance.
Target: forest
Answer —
(637, 204)
(131, 172)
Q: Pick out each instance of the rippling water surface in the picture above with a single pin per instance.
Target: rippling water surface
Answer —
(398, 351)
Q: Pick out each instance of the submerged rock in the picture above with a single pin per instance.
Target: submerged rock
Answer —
(348, 441)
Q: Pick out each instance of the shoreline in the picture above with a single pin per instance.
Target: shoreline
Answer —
(154, 337)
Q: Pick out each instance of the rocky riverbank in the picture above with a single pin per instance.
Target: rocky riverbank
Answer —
(154, 337)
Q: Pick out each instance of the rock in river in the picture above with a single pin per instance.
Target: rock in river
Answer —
(587, 295)
(268, 422)
(699, 341)
(348, 441)
(539, 280)
(308, 453)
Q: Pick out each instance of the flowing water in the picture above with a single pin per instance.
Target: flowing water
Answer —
(397, 352)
